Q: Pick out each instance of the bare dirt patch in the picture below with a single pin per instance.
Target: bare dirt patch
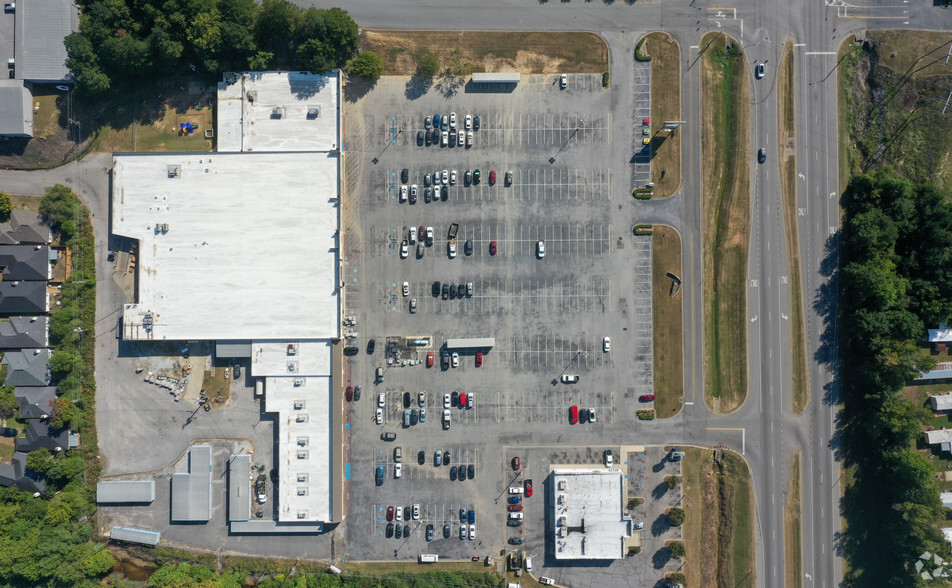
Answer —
(486, 51)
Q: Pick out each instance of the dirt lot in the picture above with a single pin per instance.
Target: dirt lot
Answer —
(489, 52)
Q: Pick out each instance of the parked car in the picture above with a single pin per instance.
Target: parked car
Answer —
(349, 393)
(469, 139)
(476, 176)
(427, 122)
(760, 70)
(540, 249)
(404, 249)
(453, 473)
(471, 471)
(389, 513)
(468, 247)
(515, 499)
(429, 532)
(570, 378)
(419, 138)
(528, 487)
(492, 248)
(573, 415)
(446, 531)
(452, 120)
(516, 463)
(438, 458)
(461, 474)
(378, 475)
(646, 398)
(563, 81)
(492, 177)
(609, 458)
(468, 122)
(513, 508)
(378, 417)
(479, 358)
(388, 436)
(472, 532)
(514, 523)
(455, 357)
(445, 139)
(476, 123)
(389, 530)
(591, 415)
(607, 344)
(516, 540)
(509, 178)
(468, 178)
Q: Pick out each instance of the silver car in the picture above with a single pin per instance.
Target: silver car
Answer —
(445, 139)
(446, 176)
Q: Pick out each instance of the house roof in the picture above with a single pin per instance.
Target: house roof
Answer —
(938, 436)
(19, 297)
(16, 473)
(27, 367)
(25, 262)
(39, 435)
(25, 226)
(941, 335)
(16, 109)
(35, 402)
(941, 401)
(41, 26)
(21, 332)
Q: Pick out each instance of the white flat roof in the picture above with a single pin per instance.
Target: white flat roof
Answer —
(250, 250)
(278, 111)
(590, 520)
(303, 456)
(290, 358)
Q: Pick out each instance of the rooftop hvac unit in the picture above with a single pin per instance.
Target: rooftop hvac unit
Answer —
(302, 454)
(301, 418)
(302, 477)
(561, 484)
(298, 404)
(302, 441)
(313, 112)
(292, 349)
(292, 367)
(302, 490)
(278, 112)
(175, 171)
(302, 514)
(298, 382)
(147, 320)
(252, 95)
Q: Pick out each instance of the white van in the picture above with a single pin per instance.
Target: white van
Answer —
(516, 516)
(528, 564)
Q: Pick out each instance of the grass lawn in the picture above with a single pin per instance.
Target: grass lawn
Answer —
(692, 468)
(665, 105)
(793, 552)
(738, 519)
(558, 52)
(788, 170)
(667, 319)
(726, 211)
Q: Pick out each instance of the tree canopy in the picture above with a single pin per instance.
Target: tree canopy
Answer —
(124, 41)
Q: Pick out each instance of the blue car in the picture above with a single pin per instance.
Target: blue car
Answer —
(472, 517)
(379, 475)
(515, 499)
(436, 120)
(462, 515)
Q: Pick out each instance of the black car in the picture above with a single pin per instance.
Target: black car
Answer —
(452, 290)
(356, 393)
(428, 139)
(405, 176)
(461, 474)
(516, 541)
(446, 458)
(371, 345)
(419, 138)
(414, 416)
(406, 530)
(471, 471)
(453, 472)
(427, 195)
(476, 176)
(421, 457)
(400, 530)
(455, 398)
(514, 523)
(446, 531)
(407, 400)
(9, 432)
(468, 248)
(461, 289)
(389, 530)
(412, 196)
(446, 290)
(762, 155)
(445, 360)
(429, 532)
(351, 350)
(476, 123)
(445, 193)
(435, 290)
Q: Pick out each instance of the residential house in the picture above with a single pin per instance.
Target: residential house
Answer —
(25, 226)
(23, 298)
(24, 332)
(941, 402)
(39, 435)
(16, 473)
(35, 402)
(26, 262)
(27, 367)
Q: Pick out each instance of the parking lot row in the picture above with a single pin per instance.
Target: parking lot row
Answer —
(500, 128)
(493, 295)
(570, 239)
(528, 184)
(437, 515)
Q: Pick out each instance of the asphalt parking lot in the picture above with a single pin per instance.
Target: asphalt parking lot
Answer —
(548, 314)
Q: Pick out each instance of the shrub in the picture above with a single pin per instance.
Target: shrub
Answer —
(673, 482)
(638, 54)
(642, 230)
(428, 66)
(367, 65)
(634, 502)
(645, 414)
(677, 549)
(676, 516)
(678, 578)
(605, 80)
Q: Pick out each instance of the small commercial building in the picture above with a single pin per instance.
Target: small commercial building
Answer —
(239, 487)
(16, 109)
(588, 508)
(125, 492)
(135, 535)
(192, 491)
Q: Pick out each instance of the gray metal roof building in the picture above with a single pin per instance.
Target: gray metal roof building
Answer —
(36, 402)
(25, 226)
(25, 262)
(16, 109)
(192, 492)
(273, 527)
(125, 491)
(27, 367)
(239, 487)
(24, 332)
(135, 535)
(229, 349)
(41, 26)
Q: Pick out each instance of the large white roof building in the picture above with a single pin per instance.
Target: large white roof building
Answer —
(589, 514)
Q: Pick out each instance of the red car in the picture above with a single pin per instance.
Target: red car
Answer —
(492, 248)
(479, 358)
(528, 488)
(515, 507)
(515, 463)
(646, 397)
(646, 121)
(492, 178)
(389, 513)
(429, 359)
(350, 393)
(462, 401)
(573, 414)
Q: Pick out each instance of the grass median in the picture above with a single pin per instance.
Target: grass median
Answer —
(665, 105)
(793, 553)
(667, 319)
(788, 167)
(557, 52)
(726, 211)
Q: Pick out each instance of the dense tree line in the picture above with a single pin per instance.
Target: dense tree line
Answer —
(896, 282)
(123, 41)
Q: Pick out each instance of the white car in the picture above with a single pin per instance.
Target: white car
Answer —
(563, 81)
(470, 400)
(516, 490)
(609, 458)
(416, 512)
(452, 120)
(446, 176)
(607, 344)
(468, 121)
(398, 513)
(591, 415)
(472, 532)
(462, 531)
(421, 398)
(378, 416)
(412, 235)
(460, 136)
(640, 525)
(447, 401)
(452, 247)
(398, 470)
(404, 249)
(446, 418)
(413, 191)
(453, 178)
(445, 138)
(381, 400)
(540, 249)
(406, 288)
(403, 194)
(516, 516)
(455, 359)
(546, 581)
(429, 234)
(469, 139)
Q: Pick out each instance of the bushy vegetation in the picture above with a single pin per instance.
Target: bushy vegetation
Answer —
(123, 42)
(367, 65)
(676, 516)
(428, 66)
(47, 541)
(676, 548)
(896, 282)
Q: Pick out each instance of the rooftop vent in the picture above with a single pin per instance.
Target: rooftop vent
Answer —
(302, 514)
(313, 112)
(301, 418)
(302, 441)
(302, 477)
(252, 95)
(278, 112)
(175, 171)
(302, 454)
(298, 404)
(302, 490)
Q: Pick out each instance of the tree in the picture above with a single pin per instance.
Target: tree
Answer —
(260, 61)
(676, 516)
(6, 206)
(340, 34)
(314, 55)
(62, 361)
(673, 482)
(428, 66)
(8, 402)
(62, 415)
(678, 578)
(40, 460)
(367, 65)
(676, 548)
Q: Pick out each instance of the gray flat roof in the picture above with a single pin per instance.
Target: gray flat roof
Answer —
(229, 349)
(507, 77)
(135, 535)
(16, 109)
(192, 492)
(275, 528)
(589, 514)
(125, 491)
(41, 26)
(239, 487)
(234, 246)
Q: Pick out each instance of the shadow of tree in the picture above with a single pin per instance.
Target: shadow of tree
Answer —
(659, 491)
(417, 86)
(661, 558)
(356, 88)
(661, 525)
